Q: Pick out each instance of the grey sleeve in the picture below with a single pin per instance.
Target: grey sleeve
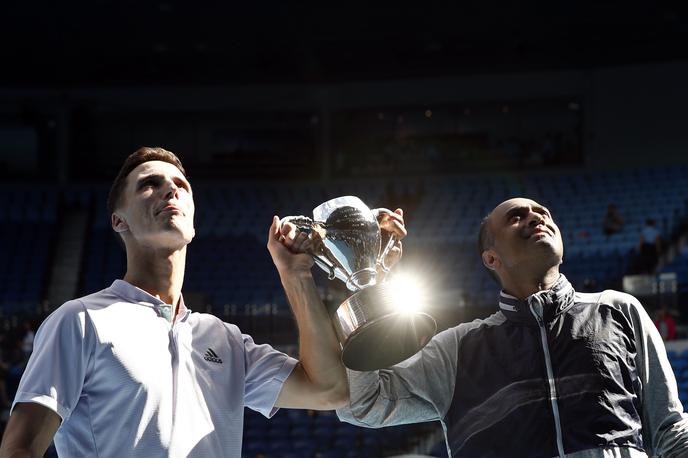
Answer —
(418, 389)
(665, 425)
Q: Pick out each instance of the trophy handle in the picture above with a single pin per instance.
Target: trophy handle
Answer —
(381, 260)
(305, 224)
(326, 266)
(302, 223)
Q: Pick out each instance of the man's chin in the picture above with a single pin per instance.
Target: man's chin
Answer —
(546, 247)
(179, 232)
(170, 240)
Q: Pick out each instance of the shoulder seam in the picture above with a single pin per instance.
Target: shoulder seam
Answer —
(481, 323)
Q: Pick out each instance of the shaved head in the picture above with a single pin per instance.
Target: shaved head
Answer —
(517, 236)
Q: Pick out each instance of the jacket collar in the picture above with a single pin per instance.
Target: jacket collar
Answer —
(554, 301)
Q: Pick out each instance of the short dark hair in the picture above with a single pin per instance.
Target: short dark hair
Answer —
(485, 241)
(138, 157)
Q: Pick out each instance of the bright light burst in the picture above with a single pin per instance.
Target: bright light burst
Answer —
(408, 293)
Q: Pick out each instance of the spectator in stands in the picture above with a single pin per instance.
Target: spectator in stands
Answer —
(649, 247)
(131, 371)
(613, 222)
(552, 373)
(665, 324)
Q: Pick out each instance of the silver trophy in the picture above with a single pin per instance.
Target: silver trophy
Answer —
(347, 244)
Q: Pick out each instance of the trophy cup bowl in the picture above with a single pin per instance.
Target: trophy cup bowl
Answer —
(373, 330)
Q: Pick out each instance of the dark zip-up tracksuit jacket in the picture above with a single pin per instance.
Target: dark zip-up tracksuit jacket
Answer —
(562, 374)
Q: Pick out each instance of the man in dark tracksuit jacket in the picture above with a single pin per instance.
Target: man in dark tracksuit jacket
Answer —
(553, 373)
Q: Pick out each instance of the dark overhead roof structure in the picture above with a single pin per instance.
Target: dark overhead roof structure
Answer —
(106, 42)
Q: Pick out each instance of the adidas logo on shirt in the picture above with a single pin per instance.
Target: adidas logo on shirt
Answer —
(211, 356)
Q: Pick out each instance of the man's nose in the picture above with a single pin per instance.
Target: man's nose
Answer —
(171, 190)
(535, 219)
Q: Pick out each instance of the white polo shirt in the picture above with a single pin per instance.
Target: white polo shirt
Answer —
(126, 382)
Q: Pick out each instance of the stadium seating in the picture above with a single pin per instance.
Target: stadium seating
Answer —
(229, 270)
(28, 219)
(228, 262)
(679, 362)
(306, 434)
(679, 265)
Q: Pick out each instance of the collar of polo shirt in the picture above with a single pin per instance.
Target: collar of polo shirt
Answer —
(136, 295)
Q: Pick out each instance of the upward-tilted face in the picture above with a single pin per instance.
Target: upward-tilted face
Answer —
(524, 236)
(157, 207)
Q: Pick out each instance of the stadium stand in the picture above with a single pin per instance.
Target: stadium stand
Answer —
(229, 265)
(27, 223)
(299, 433)
(230, 273)
(679, 265)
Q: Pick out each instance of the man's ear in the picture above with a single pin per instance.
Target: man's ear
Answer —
(118, 223)
(491, 260)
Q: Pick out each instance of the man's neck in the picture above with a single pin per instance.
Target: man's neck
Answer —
(523, 286)
(160, 273)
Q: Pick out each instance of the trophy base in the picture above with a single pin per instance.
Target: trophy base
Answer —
(375, 333)
(387, 341)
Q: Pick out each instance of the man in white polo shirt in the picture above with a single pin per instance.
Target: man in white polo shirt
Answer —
(131, 371)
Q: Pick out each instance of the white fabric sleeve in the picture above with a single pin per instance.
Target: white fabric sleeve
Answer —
(418, 389)
(266, 371)
(665, 426)
(57, 368)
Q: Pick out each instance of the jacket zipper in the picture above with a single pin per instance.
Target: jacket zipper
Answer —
(536, 310)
